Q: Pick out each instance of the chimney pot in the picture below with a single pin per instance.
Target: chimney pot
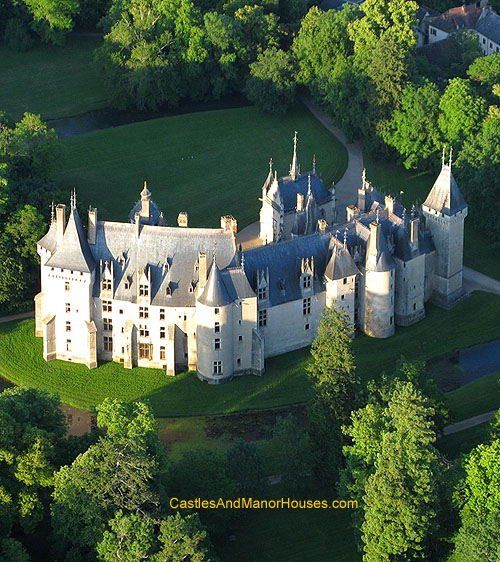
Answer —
(60, 222)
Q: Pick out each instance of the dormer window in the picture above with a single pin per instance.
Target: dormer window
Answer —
(168, 290)
(106, 284)
(143, 290)
(127, 284)
(262, 293)
(306, 281)
(190, 288)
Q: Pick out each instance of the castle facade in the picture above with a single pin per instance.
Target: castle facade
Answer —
(176, 298)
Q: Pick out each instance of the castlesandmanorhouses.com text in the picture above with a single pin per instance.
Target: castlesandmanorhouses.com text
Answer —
(251, 503)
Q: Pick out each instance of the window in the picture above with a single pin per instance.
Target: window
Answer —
(217, 343)
(121, 311)
(108, 343)
(144, 331)
(190, 288)
(238, 362)
(342, 297)
(240, 338)
(106, 306)
(168, 290)
(433, 31)
(143, 312)
(162, 314)
(306, 306)
(306, 327)
(162, 333)
(491, 45)
(68, 307)
(217, 310)
(345, 280)
(144, 351)
(143, 290)
(262, 318)
(306, 282)
(262, 293)
(392, 317)
(162, 352)
(107, 324)
(127, 284)
(68, 345)
(217, 367)
(66, 286)
(68, 326)
(106, 284)
(484, 41)
(414, 306)
(217, 327)
(123, 351)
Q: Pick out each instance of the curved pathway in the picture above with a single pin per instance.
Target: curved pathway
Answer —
(476, 281)
(17, 316)
(470, 422)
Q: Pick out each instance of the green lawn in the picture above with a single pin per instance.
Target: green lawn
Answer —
(52, 81)
(391, 178)
(473, 321)
(209, 163)
(477, 397)
(464, 441)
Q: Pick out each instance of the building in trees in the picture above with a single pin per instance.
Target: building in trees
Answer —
(174, 297)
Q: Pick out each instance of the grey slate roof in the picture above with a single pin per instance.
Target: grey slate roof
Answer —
(154, 213)
(236, 283)
(215, 292)
(489, 25)
(288, 190)
(283, 261)
(445, 197)
(73, 252)
(341, 263)
(49, 241)
(170, 252)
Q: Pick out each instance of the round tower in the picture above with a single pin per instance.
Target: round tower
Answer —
(379, 286)
(214, 330)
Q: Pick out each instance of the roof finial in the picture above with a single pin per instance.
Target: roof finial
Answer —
(377, 213)
(145, 193)
(270, 165)
(214, 252)
(73, 199)
(363, 178)
(444, 153)
(345, 238)
(242, 260)
(309, 185)
(451, 156)
(52, 213)
(314, 164)
(294, 168)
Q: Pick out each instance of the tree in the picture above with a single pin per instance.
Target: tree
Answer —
(246, 467)
(52, 19)
(413, 130)
(478, 540)
(332, 371)
(462, 112)
(271, 86)
(13, 551)
(401, 496)
(462, 48)
(485, 69)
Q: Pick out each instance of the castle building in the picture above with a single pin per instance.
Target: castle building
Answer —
(176, 298)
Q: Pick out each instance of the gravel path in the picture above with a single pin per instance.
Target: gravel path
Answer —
(475, 281)
(17, 316)
(470, 422)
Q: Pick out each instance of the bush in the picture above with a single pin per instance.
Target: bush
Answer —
(17, 36)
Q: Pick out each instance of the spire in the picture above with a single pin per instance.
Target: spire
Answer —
(215, 292)
(345, 238)
(363, 179)
(314, 164)
(52, 214)
(294, 168)
(377, 213)
(73, 199)
(145, 193)
(451, 156)
(242, 260)
(271, 166)
(442, 159)
(309, 186)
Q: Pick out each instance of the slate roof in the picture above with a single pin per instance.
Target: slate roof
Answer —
(170, 253)
(49, 241)
(73, 252)
(489, 26)
(445, 196)
(461, 17)
(288, 190)
(154, 213)
(341, 263)
(215, 292)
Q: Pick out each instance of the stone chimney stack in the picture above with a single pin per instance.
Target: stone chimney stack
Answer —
(202, 269)
(137, 221)
(361, 199)
(60, 222)
(374, 244)
(92, 227)
(322, 224)
(300, 202)
(414, 233)
(228, 222)
(182, 219)
(389, 203)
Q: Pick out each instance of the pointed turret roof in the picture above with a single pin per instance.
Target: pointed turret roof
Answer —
(445, 197)
(154, 210)
(294, 167)
(215, 292)
(378, 257)
(341, 264)
(73, 252)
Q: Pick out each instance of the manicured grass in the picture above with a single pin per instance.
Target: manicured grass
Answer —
(473, 321)
(302, 535)
(391, 178)
(51, 81)
(477, 397)
(464, 441)
(209, 163)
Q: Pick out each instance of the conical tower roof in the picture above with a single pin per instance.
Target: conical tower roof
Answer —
(445, 197)
(73, 252)
(215, 292)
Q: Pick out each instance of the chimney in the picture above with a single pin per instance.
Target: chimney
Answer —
(414, 233)
(361, 199)
(60, 222)
(300, 202)
(228, 222)
(374, 244)
(182, 219)
(322, 224)
(145, 208)
(202, 269)
(352, 212)
(137, 220)
(92, 226)
(389, 203)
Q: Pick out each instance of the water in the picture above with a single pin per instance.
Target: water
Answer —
(67, 127)
(479, 360)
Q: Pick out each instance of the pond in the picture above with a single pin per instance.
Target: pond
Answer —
(480, 360)
(106, 118)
